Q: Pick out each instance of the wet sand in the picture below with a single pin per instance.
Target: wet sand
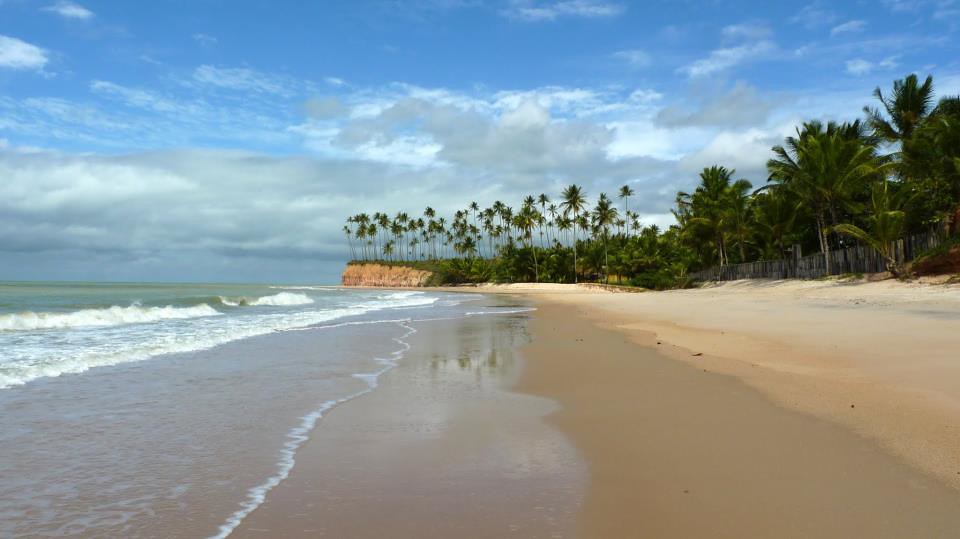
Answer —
(442, 448)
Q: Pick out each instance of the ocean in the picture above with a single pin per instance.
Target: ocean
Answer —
(145, 410)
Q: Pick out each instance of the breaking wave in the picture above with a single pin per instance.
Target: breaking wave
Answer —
(109, 316)
(283, 299)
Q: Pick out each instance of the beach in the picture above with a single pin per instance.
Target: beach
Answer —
(674, 431)
(749, 409)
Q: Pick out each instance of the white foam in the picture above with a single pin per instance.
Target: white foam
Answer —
(109, 316)
(283, 299)
(301, 433)
(148, 341)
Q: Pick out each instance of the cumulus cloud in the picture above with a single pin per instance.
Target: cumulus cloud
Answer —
(69, 10)
(741, 106)
(533, 10)
(745, 151)
(18, 54)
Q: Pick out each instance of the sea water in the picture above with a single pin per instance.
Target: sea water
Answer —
(145, 410)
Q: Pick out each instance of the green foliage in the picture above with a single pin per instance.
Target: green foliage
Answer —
(829, 187)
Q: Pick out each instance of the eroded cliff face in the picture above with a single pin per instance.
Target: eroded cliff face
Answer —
(383, 275)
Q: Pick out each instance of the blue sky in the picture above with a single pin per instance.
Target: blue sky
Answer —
(216, 140)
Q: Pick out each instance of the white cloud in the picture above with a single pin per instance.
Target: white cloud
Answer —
(633, 57)
(533, 10)
(726, 58)
(741, 106)
(849, 27)
(859, 66)
(69, 10)
(334, 81)
(18, 54)
(746, 151)
(241, 79)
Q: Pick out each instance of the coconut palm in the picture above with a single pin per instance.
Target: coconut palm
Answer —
(907, 107)
(604, 216)
(543, 200)
(625, 193)
(774, 215)
(574, 201)
(822, 167)
(737, 218)
(886, 223)
(525, 220)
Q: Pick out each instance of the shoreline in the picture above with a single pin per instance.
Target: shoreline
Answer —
(693, 413)
(444, 447)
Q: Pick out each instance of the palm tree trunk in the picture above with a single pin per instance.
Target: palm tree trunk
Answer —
(606, 260)
(824, 241)
(574, 247)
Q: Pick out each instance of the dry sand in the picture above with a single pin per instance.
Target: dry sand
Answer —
(882, 359)
(676, 449)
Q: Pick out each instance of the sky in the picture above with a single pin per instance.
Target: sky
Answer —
(215, 140)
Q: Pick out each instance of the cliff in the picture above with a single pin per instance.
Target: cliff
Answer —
(383, 275)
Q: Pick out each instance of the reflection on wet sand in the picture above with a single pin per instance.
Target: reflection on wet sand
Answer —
(443, 448)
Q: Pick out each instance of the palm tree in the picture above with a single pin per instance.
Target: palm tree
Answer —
(625, 193)
(886, 226)
(604, 215)
(349, 234)
(543, 200)
(706, 209)
(525, 220)
(907, 108)
(574, 201)
(823, 166)
(774, 214)
(736, 207)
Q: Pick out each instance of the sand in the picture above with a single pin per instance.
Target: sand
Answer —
(882, 359)
(676, 449)
(443, 448)
(754, 409)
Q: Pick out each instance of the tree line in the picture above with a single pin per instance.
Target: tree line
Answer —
(830, 185)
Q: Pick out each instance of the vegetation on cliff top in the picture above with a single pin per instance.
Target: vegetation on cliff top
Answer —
(830, 186)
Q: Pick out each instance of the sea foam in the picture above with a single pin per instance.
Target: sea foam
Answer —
(37, 360)
(109, 316)
(283, 299)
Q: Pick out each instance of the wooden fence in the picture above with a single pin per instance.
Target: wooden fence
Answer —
(858, 259)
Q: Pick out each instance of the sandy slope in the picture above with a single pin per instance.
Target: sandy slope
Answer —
(880, 358)
(675, 449)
